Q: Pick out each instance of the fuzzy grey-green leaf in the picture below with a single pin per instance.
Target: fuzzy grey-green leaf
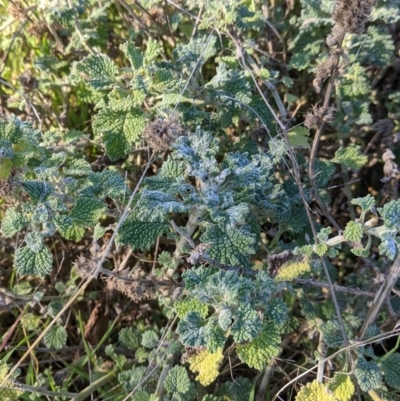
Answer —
(36, 263)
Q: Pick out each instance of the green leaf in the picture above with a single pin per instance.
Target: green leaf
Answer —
(9, 389)
(293, 268)
(237, 390)
(133, 54)
(388, 245)
(277, 311)
(259, 352)
(214, 336)
(78, 168)
(342, 386)
(365, 203)
(150, 339)
(232, 246)
(177, 380)
(184, 306)
(298, 137)
(191, 330)
(332, 333)
(391, 370)
(54, 308)
(99, 231)
(351, 157)
(314, 391)
(37, 190)
(36, 263)
(320, 249)
(87, 211)
(140, 234)
(120, 130)
(56, 337)
(130, 338)
(13, 222)
(34, 241)
(98, 70)
(353, 231)
(153, 49)
(367, 374)
(391, 214)
(247, 324)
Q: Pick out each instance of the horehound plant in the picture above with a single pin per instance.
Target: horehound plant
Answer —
(215, 207)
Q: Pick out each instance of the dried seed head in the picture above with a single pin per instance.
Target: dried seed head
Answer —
(352, 15)
(316, 115)
(129, 283)
(161, 134)
(28, 81)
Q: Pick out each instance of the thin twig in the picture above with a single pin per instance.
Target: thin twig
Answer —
(79, 30)
(381, 296)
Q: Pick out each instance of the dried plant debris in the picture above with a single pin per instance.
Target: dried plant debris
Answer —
(353, 15)
(137, 286)
(161, 134)
(318, 114)
(84, 266)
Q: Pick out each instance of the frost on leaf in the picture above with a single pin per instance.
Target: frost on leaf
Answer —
(259, 352)
(293, 268)
(391, 214)
(139, 233)
(98, 70)
(56, 337)
(351, 157)
(277, 311)
(342, 387)
(214, 336)
(367, 374)
(37, 190)
(191, 330)
(247, 324)
(353, 231)
(391, 370)
(13, 222)
(78, 168)
(314, 391)
(36, 263)
(388, 245)
(232, 246)
(87, 211)
(177, 380)
(206, 364)
(34, 241)
(191, 57)
(120, 129)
